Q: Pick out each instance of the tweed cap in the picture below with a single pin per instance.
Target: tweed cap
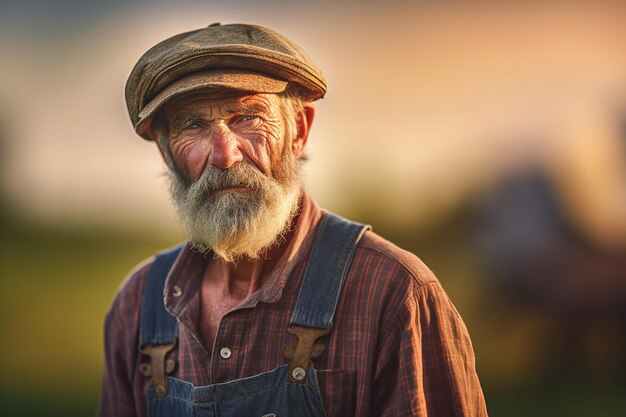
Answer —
(238, 56)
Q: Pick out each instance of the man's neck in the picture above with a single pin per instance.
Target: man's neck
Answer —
(225, 285)
(239, 280)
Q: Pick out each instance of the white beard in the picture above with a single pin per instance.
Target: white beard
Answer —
(236, 223)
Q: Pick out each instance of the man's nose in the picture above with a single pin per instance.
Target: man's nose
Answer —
(224, 148)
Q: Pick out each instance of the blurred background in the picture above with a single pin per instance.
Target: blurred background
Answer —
(488, 138)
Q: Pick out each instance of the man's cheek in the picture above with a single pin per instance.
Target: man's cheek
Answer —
(191, 159)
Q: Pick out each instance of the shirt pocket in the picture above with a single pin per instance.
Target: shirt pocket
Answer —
(338, 391)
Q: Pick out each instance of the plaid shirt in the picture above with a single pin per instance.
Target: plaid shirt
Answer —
(398, 346)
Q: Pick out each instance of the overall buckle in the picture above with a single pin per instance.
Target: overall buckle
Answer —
(158, 366)
(305, 350)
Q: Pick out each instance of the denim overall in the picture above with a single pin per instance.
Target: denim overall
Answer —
(289, 390)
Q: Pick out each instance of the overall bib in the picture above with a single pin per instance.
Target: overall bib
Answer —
(289, 390)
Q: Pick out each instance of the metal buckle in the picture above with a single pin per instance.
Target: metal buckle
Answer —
(305, 350)
(158, 367)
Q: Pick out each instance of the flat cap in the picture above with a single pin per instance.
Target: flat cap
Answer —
(238, 56)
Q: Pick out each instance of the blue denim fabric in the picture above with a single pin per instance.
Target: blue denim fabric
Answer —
(158, 327)
(326, 270)
(270, 393)
(260, 395)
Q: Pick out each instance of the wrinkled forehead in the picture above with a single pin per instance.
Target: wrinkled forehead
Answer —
(223, 100)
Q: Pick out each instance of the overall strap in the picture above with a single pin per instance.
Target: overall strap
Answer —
(158, 329)
(333, 250)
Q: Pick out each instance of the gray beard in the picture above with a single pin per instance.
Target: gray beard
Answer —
(236, 224)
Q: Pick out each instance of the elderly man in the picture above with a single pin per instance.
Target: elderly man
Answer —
(274, 307)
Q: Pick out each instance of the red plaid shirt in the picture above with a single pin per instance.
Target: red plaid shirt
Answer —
(398, 346)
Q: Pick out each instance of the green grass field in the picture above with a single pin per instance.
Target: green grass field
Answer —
(57, 283)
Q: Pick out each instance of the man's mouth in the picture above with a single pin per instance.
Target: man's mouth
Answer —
(238, 189)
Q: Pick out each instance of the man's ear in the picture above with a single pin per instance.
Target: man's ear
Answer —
(303, 124)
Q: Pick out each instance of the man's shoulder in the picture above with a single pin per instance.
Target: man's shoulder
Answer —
(386, 259)
(133, 284)
(388, 283)
(128, 296)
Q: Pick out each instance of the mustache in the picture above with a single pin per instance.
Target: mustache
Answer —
(241, 174)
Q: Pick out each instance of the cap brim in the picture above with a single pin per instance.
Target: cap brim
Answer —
(223, 79)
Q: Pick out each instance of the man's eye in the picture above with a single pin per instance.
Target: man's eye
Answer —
(246, 118)
(193, 126)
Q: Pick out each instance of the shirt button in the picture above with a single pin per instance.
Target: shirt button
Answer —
(298, 373)
(225, 353)
(177, 292)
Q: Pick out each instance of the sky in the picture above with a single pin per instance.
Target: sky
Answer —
(427, 102)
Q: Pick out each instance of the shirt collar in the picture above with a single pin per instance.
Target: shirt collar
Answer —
(186, 275)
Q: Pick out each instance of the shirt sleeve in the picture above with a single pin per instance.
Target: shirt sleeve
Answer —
(121, 326)
(426, 364)
(116, 398)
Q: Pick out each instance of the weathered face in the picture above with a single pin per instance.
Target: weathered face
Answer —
(223, 131)
(235, 182)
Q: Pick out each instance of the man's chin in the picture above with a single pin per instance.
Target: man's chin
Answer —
(238, 220)
(229, 250)
(253, 235)
(236, 190)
